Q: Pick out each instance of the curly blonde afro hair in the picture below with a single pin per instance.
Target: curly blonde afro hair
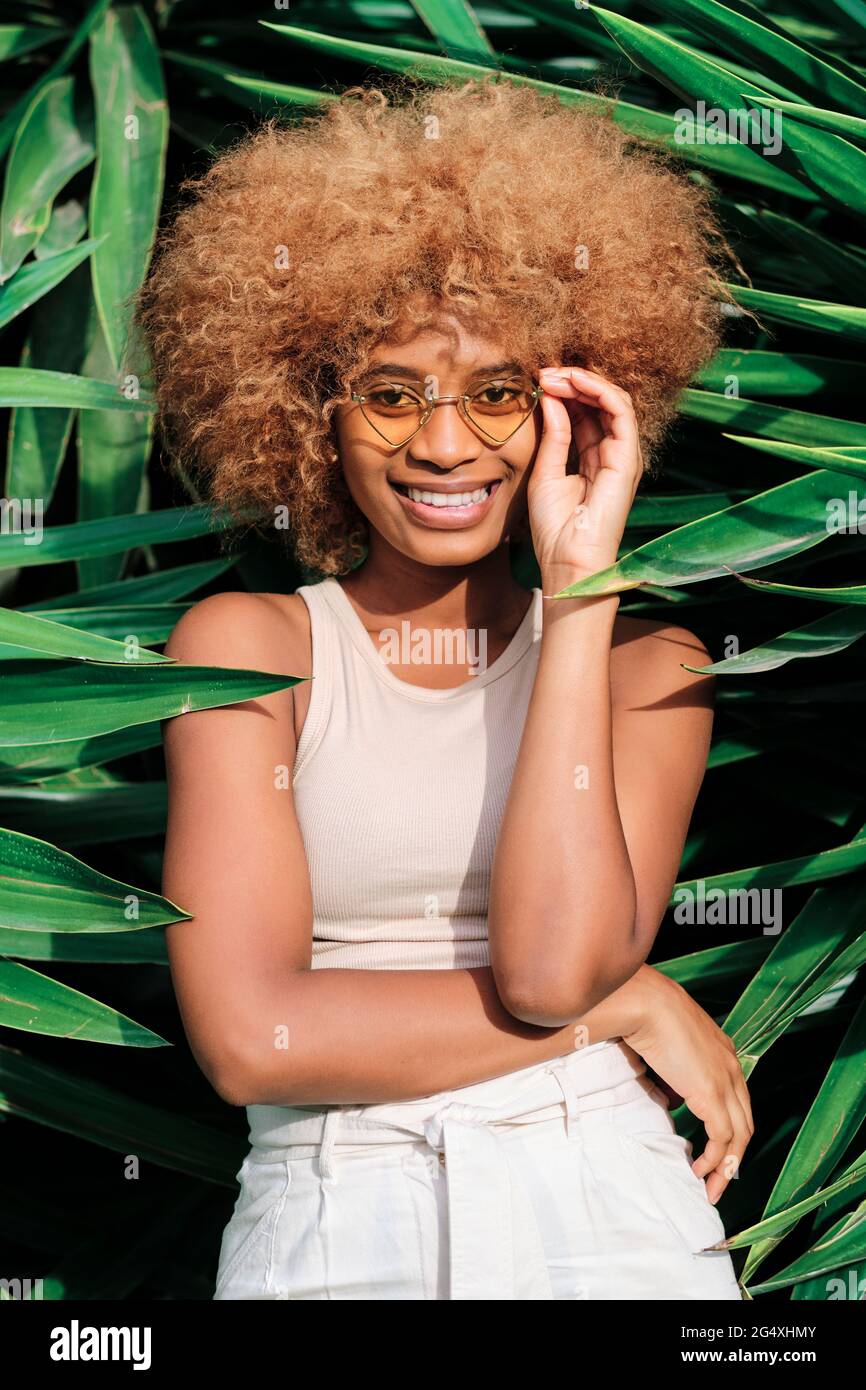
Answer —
(305, 245)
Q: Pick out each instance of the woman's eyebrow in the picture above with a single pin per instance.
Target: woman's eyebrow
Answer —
(400, 369)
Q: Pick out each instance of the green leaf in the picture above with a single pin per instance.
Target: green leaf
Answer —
(717, 964)
(10, 120)
(851, 14)
(454, 24)
(819, 252)
(832, 1122)
(806, 868)
(131, 138)
(240, 86)
(808, 958)
(35, 279)
(844, 460)
(831, 633)
(87, 815)
(39, 634)
(46, 889)
(79, 540)
(729, 158)
(37, 761)
(830, 163)
(760, 373)
(841, 1248)
(657, 511)
(845, 320)
(35, 1003)
(854, 594)
(146, 947)
(16, 39)
(66, 227)
(749, 744)
(38, 438)
(162, 586)
(52, 144)
(564, 17)
(765, 528)
(747, 38)
(46, 1095)
(27, 386)
(781, 1222)
(775, 421)
(55, 701)
(146, 623)
(839, 122)
(113, 450)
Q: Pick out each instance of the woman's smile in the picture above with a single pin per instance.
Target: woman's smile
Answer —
(450, 505)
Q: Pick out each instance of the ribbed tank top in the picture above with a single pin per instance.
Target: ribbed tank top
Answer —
(400, 791)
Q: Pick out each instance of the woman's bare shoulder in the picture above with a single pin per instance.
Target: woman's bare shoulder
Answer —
(649, 658)
(264, 632)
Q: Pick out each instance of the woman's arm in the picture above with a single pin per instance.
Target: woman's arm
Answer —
(611, 762)
(614, 744)
(265, 1027)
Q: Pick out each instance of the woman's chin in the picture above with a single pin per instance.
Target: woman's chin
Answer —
(447, 548)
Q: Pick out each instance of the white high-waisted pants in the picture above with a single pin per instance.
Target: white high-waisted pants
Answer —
(564, 1180)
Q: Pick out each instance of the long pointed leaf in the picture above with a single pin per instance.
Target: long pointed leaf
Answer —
(35, 1003)
(52, 144)
(113, 534)
(36, 634)
(46, 889)
(783, 521)
(831, 633)
(131, 137)
(56, 701)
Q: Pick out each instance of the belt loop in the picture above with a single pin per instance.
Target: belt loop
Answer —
(329, 1135)
(572, 1102)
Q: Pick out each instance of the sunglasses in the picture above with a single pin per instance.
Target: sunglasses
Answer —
(496, 408)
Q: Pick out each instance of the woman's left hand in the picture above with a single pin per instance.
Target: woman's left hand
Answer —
(577, 519)
(698, 1063)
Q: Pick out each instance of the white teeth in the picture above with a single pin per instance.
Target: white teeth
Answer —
(448, 499)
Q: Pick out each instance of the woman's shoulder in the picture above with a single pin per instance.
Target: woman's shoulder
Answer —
(257, 631)
(650, 658)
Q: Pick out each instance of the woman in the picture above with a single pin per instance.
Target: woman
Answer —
(424, 883)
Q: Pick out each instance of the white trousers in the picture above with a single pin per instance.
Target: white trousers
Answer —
(564, 1180)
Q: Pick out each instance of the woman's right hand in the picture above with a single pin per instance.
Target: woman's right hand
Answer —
(697, 1061)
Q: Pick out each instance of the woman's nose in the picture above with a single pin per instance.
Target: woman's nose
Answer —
(445, 439)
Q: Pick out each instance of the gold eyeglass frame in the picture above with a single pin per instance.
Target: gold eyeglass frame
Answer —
(461, 400)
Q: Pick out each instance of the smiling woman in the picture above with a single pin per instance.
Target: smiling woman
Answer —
(448, 398)
(300, 250)
(424, 891)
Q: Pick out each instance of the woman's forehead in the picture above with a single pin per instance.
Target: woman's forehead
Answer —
(444, 342)
(448, 330)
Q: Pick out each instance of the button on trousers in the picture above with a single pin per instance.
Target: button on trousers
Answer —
(564, 1180)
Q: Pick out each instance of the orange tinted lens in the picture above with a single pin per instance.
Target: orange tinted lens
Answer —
(500, 407)
(393, 410)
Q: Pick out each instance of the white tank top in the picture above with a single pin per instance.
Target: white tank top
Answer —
(400, 791)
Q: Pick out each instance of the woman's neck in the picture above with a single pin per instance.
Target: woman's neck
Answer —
(390, 586)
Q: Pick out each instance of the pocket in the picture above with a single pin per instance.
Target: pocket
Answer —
(251, 1228)
(680, 1197)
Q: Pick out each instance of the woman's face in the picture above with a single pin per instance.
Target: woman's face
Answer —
(401, 488)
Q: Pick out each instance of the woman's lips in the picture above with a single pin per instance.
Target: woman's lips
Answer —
(448, 518)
